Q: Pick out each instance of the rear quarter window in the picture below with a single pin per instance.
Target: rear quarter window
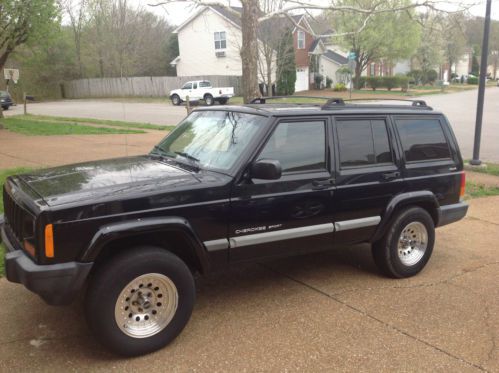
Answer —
(422, 139)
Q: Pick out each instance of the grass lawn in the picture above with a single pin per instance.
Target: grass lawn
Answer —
(490, 169)
(3, 176)
(475, 190)
(32, 126)
(112, 123)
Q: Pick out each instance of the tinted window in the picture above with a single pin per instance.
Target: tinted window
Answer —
(194, 85)
(299, 146)
(422, 139)
(204, 84)
(187, 86)
(363, 142)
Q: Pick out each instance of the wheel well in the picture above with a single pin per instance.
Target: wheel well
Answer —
(426, 205)
(207, 95)
(174, 241)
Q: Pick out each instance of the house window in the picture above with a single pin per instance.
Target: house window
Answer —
(372, 69)
(301, 39)
(220, 40)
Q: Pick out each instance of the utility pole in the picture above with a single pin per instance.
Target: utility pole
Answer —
(481, 88)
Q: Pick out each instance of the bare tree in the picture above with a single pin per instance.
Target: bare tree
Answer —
(76, 11)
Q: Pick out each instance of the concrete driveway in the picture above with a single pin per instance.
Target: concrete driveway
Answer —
(323, 312)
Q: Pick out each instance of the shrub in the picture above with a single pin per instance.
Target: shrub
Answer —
(362, 82)
(390, 82)
(472, 80)
(318, 81)
(339, 87)
(415, 77)
(329, 82)
(374, 82)
(430, 76)
(403, 82)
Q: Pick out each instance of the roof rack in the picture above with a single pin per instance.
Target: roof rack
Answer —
(339, 103)
(263, 100)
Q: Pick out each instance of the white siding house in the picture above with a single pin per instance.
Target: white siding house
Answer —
(209, 44)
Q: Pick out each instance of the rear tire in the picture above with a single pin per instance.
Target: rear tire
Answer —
(140, 300)
(223, 101)
(176, 100)
(407, 245)
(208, 99)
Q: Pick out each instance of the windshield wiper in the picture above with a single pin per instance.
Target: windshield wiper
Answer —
(188, 156)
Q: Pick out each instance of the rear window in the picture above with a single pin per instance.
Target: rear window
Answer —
(363, 142)
(422, 139)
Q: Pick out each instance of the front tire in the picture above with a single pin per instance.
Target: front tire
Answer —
(208, 99)
(176, 100)
(140, 300)
(408, 244)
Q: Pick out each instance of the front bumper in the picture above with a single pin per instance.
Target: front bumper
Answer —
(56, 284)
(451, 213)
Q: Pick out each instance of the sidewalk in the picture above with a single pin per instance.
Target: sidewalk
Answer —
(324, 312)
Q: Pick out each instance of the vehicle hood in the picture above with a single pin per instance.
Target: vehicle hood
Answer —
(107, 179)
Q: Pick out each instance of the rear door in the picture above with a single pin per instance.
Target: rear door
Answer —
(368, 174)
(294, 213)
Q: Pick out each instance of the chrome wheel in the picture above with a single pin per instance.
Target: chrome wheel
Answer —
(146, 305)
(412, 243)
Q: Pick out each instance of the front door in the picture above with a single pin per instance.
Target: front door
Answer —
(368, 175)
(294, 213)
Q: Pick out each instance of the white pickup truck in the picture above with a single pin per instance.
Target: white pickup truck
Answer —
(201, 90)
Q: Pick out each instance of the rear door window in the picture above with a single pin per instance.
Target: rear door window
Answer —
(363, 142)
(422, 139)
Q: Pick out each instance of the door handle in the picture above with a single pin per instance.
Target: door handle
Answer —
(390, 175)
(323, 184)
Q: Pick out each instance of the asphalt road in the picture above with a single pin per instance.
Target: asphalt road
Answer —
(460, 108)
(317, 313)
(155, 113)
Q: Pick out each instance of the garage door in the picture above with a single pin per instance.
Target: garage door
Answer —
(301, 80)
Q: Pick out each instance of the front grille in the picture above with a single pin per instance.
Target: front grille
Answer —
(19, 220)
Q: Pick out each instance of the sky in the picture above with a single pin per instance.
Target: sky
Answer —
(178, 12)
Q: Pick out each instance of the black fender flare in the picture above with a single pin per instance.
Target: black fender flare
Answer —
(404, 199)
(129, 228)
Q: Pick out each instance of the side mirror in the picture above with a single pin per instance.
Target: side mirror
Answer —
(266, 169)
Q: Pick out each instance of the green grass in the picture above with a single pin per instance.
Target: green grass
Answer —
(475, 190)
(490, 169)
(112, 123)
(3, 175)
(36, 127)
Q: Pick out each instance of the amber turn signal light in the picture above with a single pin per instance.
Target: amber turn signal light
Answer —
(49, 241)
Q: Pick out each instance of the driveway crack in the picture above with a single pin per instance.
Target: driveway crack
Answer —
(374, 318)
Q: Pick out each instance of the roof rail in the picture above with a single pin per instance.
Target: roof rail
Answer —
(263, 100)
(339, 103)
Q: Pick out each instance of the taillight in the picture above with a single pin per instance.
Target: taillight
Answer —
(462, 190)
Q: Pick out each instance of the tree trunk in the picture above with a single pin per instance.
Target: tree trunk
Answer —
(249, 50)
(269, 75)
(358, 73)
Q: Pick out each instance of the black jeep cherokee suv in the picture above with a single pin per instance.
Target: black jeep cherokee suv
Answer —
(229, 185)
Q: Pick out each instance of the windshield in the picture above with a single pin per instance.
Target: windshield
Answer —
(4, 94)
(211, 139)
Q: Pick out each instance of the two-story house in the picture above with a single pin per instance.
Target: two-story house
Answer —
(210, 42)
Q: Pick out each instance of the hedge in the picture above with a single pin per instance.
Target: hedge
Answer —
(388, 82)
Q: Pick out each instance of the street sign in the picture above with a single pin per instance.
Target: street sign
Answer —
(11, 74)
(351, 56)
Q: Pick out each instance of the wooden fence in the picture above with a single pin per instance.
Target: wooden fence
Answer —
(142, 86)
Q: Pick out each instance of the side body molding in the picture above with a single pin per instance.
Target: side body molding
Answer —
(404, 199)
(129, 228)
